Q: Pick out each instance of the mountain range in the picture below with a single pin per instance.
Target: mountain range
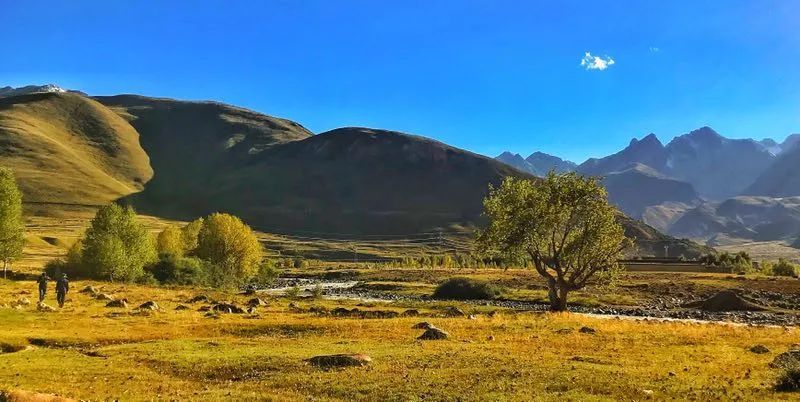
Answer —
(702, 184)
(181, 159)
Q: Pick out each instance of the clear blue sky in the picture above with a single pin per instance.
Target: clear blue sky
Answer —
(483, 75)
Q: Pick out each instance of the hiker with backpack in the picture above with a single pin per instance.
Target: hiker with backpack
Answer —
(62, 288)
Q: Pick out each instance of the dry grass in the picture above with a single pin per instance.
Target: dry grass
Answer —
(182, 355)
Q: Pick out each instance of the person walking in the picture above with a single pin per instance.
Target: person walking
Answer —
(42, 281)
(62, 288)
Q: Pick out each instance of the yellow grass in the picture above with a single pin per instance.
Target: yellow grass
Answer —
(183, 355)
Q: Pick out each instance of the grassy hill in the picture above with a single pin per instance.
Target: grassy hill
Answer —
(275, 174)
(66, 148)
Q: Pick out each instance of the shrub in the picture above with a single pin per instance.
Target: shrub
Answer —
(267, 273)
(466, 289)
(789, 379)
(784, 268)
(317, 292)
(180, 271)
(293, 292)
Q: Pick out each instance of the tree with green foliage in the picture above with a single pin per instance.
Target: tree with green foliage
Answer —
(564, 224)
(232, 249)
(170, 243)
(190, 233)
(117, 246)
(12, 227)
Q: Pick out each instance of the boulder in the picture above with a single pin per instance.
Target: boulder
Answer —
(433, 333)
(181, 307)
(789, 358)
(199, 298)
(454, 312)
(228, 308)
(587, 330)
(44, 307)
(149, 305)
(256, 302)
(726, 300)
(89, 290)
(104, 296)
(410, 313)
(759, 349)
(121, 303)
(422, 325)
(340, 360)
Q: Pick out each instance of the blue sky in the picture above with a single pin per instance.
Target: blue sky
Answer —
(485, 75)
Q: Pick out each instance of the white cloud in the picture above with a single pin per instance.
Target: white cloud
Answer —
(654, 49)
(596, 62)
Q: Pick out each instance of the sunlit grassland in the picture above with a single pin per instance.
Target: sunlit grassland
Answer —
(183, 355)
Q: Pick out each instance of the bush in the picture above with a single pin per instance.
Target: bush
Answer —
(789, 379)
(317, 292)
(784, 268)
(466, 289)
(293, 292)
(267, 273)
(180, 271)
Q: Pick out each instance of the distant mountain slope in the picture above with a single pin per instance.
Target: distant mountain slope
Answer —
(716, 166)
(781, 179)
(66, 148)
(647, 151)
(638, 186)
(537, 164)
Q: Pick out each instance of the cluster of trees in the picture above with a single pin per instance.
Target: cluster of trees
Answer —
(219, 250)
(742, 263)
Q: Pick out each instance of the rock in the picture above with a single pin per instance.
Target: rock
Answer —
(422, 325)
(104, 296)
(251, 310)
(789, 358)
(229, 308)
(647, 392)
(587, 330)
(563, 331)
(149, 305)
(759, 349)
(454, 312)
(199, 298)
(410, 313)
(89, 290)
(204, 308)
(181, 307)
(319, 310)
(122, 303)
(340, 312)
(22, 301)
(472, 317)
(44, 307)
(340, 360)
(433, 333)
(726, 300)
(490, 338)
(256, 302)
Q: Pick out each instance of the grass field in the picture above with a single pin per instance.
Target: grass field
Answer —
(88, 351)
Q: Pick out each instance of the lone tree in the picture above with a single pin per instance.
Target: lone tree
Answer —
(116, 245)
(12, 228)
(232, 249)
(563, 224)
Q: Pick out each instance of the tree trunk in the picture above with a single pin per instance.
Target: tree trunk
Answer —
(558, 296)
(5, 268)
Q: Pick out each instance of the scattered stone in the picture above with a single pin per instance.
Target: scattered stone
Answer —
(647, 392)
(671, 374)
(122, 303)
(422, 325)
(212, 314)
(563, 331)
(149, 305)
(44, 307)
(181, 307)
(591, 360)
(319, 310)
(759, 349)
(22, 301)
(587, 330)
(251, 311)
(490, 338)
(340, 360)
(256, 302)
(472, 317)
(410, 313)
(494, 313)
(228, 308)
(454, 312)
(89, 290)
(199, 298)
(789, 358)
(433, 333)
(104, 296)
(726, 300)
